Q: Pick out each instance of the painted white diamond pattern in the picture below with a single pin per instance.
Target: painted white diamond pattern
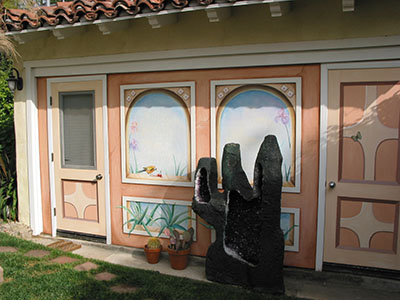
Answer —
(79, 200)
(365, 225)
(372, 130)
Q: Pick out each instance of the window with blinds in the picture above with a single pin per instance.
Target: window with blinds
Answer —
(78, 130)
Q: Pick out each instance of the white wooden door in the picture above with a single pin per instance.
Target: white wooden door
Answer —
(363, 173)
(78, 156)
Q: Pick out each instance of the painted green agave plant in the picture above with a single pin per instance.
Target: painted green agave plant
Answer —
(138, 216)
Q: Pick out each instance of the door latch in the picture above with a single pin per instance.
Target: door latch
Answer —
(99, 177)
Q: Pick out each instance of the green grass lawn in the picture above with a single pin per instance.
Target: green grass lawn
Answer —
(40, 279)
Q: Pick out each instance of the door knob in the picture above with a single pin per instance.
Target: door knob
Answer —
(332, 184)
(99, 177)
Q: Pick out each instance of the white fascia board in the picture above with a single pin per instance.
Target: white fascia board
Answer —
(296, 52)
(103, 65)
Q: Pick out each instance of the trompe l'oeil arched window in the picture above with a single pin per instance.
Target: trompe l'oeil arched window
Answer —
(158, 136)
(246, 113)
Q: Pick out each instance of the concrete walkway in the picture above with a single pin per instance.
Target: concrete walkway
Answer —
(298, 282)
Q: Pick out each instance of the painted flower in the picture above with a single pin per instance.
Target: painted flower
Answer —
(133, 144)
(282, 116)
(134, 126)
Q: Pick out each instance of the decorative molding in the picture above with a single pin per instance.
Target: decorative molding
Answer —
(217, 15)
(348, 5)
(329, 51)
(158, 21)
(63, 33)
(110, 27)
(278, 9)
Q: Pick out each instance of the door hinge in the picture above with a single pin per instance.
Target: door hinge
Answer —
(55, 211)
(52, 157)
(51, 100)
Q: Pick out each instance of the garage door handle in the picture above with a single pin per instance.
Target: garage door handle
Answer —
(99, 177)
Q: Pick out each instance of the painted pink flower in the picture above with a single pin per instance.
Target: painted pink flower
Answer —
(282, 116)
(167, 232)
(134, 126)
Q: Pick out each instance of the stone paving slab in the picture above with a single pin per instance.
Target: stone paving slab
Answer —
(64, 260)
(1, 275)
(37, 253)
(124, 289)
(87, 266)
(8, 249)
(105, 276)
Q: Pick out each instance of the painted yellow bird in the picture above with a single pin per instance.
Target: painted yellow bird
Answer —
(148, 169)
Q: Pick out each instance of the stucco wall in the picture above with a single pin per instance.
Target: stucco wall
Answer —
(21, 152)
(307, 20)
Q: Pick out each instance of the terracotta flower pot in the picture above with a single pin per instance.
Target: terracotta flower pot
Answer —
(152, 255)
(178, 259)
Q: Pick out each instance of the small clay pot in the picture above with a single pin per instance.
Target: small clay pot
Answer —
(178, 259)
(152, 254)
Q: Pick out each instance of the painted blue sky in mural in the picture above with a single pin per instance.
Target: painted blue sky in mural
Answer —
(158, 137)
(250, 116)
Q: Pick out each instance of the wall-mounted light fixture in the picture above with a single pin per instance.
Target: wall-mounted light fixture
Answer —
(15, 83)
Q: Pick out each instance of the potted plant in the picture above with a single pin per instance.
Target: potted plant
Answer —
(179, 248)
(138, 216)
(153, 250)
(180, 238)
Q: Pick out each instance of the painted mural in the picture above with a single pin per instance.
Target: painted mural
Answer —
(152, 216)
(246, 113)
(157, 135)
(290, 228)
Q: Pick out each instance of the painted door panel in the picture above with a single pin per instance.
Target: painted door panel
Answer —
(362, 210)
(77, 126)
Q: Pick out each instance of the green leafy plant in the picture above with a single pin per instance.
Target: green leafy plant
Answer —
(138, 216)
(171, 220)
(178, 168)
(287, 172)
(8, 182)
(286, 233)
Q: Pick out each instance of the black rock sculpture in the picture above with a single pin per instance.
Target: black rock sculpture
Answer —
(249, 245)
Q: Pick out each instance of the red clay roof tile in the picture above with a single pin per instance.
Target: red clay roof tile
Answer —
(89, 10)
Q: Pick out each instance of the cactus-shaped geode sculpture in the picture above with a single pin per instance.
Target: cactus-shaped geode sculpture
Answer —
(249, 245)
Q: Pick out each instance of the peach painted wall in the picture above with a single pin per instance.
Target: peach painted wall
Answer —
(306, 200)
(44, 154)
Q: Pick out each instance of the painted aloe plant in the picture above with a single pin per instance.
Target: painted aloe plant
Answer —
(179, 169)
(286, 233)
(138, 216)
(171, 219)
